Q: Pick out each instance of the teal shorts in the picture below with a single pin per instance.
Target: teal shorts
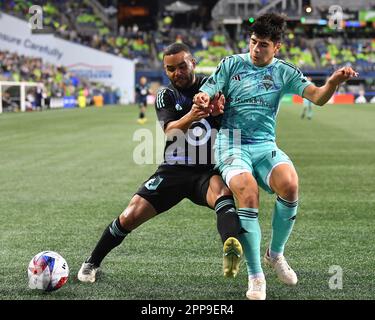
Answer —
(259, 159)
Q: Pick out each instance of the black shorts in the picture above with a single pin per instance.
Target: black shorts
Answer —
(170, 184)
(142, 102)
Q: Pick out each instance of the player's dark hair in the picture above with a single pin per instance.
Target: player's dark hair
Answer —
(175, 48)
(269, 25)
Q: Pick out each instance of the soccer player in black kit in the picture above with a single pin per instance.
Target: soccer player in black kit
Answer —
(186, 172)
(142, 90)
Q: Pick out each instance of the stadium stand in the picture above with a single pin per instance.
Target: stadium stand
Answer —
(57, 81)
(213, 30)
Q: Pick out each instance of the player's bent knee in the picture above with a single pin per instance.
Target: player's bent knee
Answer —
(138, 211)
(249, 200)
(218, 188)
(292, 187)
(223, 191)
(245, 189)
(284, 181)
(289, 190)
(246, 196)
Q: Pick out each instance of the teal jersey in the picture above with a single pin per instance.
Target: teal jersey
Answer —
(253, 94)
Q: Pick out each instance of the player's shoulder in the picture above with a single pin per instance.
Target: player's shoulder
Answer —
(233, 58)
(232, 62)
(163, 95)
(164, 91)
(285, 65)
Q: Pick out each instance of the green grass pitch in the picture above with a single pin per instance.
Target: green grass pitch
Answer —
(65, 174)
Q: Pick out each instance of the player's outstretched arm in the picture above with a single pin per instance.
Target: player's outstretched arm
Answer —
(320, 95)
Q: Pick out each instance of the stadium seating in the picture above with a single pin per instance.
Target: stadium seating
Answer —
(318, 51)
(58, 82)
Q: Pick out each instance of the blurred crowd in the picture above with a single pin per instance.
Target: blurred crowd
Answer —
(56, 82)
(78, 22)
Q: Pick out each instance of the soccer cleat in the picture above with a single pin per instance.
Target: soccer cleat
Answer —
(87, 273)
(232, 254)
(142, 121)
(284, 272)
(257, 289)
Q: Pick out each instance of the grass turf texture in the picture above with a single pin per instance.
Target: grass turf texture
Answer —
(65, 174)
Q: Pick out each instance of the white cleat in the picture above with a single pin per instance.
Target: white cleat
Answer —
(284, 272)
(257, 289)
(87, 273)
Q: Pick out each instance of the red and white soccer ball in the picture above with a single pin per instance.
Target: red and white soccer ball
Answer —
(48, 271)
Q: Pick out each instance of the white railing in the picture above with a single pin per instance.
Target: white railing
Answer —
(23, 86)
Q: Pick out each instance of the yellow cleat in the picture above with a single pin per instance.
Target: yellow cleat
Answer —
(232, 254)
(142, 121)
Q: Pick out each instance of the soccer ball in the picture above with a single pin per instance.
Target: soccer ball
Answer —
(48, 271)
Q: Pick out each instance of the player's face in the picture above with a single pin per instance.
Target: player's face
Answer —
(179, 68)
(262, 50)
(143, 81)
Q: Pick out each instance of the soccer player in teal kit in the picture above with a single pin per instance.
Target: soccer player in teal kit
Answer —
(246, 153)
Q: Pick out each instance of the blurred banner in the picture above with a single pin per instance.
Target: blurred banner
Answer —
(96, 66)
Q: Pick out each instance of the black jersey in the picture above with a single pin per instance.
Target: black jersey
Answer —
(142, 90)
(195, 146)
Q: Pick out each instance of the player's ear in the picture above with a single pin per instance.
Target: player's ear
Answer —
(193, 61)
(277, 47)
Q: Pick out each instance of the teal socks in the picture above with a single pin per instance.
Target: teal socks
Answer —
(250, 237)
(282, 223)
